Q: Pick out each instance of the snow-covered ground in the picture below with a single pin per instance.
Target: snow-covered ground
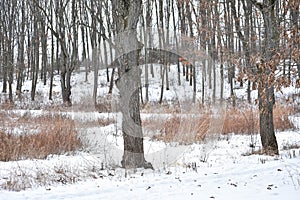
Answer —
(227, 173)
(222, 167)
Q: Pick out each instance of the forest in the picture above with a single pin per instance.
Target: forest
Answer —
(206, 68)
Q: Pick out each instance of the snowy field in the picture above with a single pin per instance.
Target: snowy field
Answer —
(221, 167)
(226, 174)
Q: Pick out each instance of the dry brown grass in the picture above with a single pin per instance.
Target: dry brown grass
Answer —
(6, 106)
(105, 121)
(281, 117)
(238, 121)
(54, 135)
(246, 121)
(180, 129)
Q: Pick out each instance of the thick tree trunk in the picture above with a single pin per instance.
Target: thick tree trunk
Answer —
(266, 125)
(266, 79)
(129, 84)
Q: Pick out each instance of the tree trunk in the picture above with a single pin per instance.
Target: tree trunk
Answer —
(266, 124)
(21, 47)
(162, 86)
(52, 54)
(131, 122)
(96, 69)
(111, 84)
(176, 41)
(4, 66)
(203, 81)
(295, 7)
(44, 51)
(266, 79)
(35, 55)
(129, 84)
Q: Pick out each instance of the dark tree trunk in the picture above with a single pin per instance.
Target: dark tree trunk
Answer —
(21, 62)
(52, 68)
(266, 79)
(129, 84)
(266, 125)
(44, 51)
(10, 27)
(52, 55)
(111, 84)
(35, 55)
(4, 71)
(162, 86)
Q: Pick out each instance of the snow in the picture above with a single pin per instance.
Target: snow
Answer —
(226, 174)
(225, 167)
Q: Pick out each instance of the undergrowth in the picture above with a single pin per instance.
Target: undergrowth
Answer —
(52, 135)
(192, 129)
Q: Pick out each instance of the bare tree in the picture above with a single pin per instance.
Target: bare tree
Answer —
(128, 84)
(66, 34)
(52, 51)
(21, 52)
(44, 62)
(8, 22)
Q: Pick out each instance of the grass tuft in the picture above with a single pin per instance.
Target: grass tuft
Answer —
(54, 135)
(237, 121)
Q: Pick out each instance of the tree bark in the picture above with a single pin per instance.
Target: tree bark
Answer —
(21, 47)
(129, 84)
(52, 54)
(35, 53)
(266, 78)
(295, 12)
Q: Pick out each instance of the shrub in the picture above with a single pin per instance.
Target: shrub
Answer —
(184, 130)
(55, 135)
(238, 121)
